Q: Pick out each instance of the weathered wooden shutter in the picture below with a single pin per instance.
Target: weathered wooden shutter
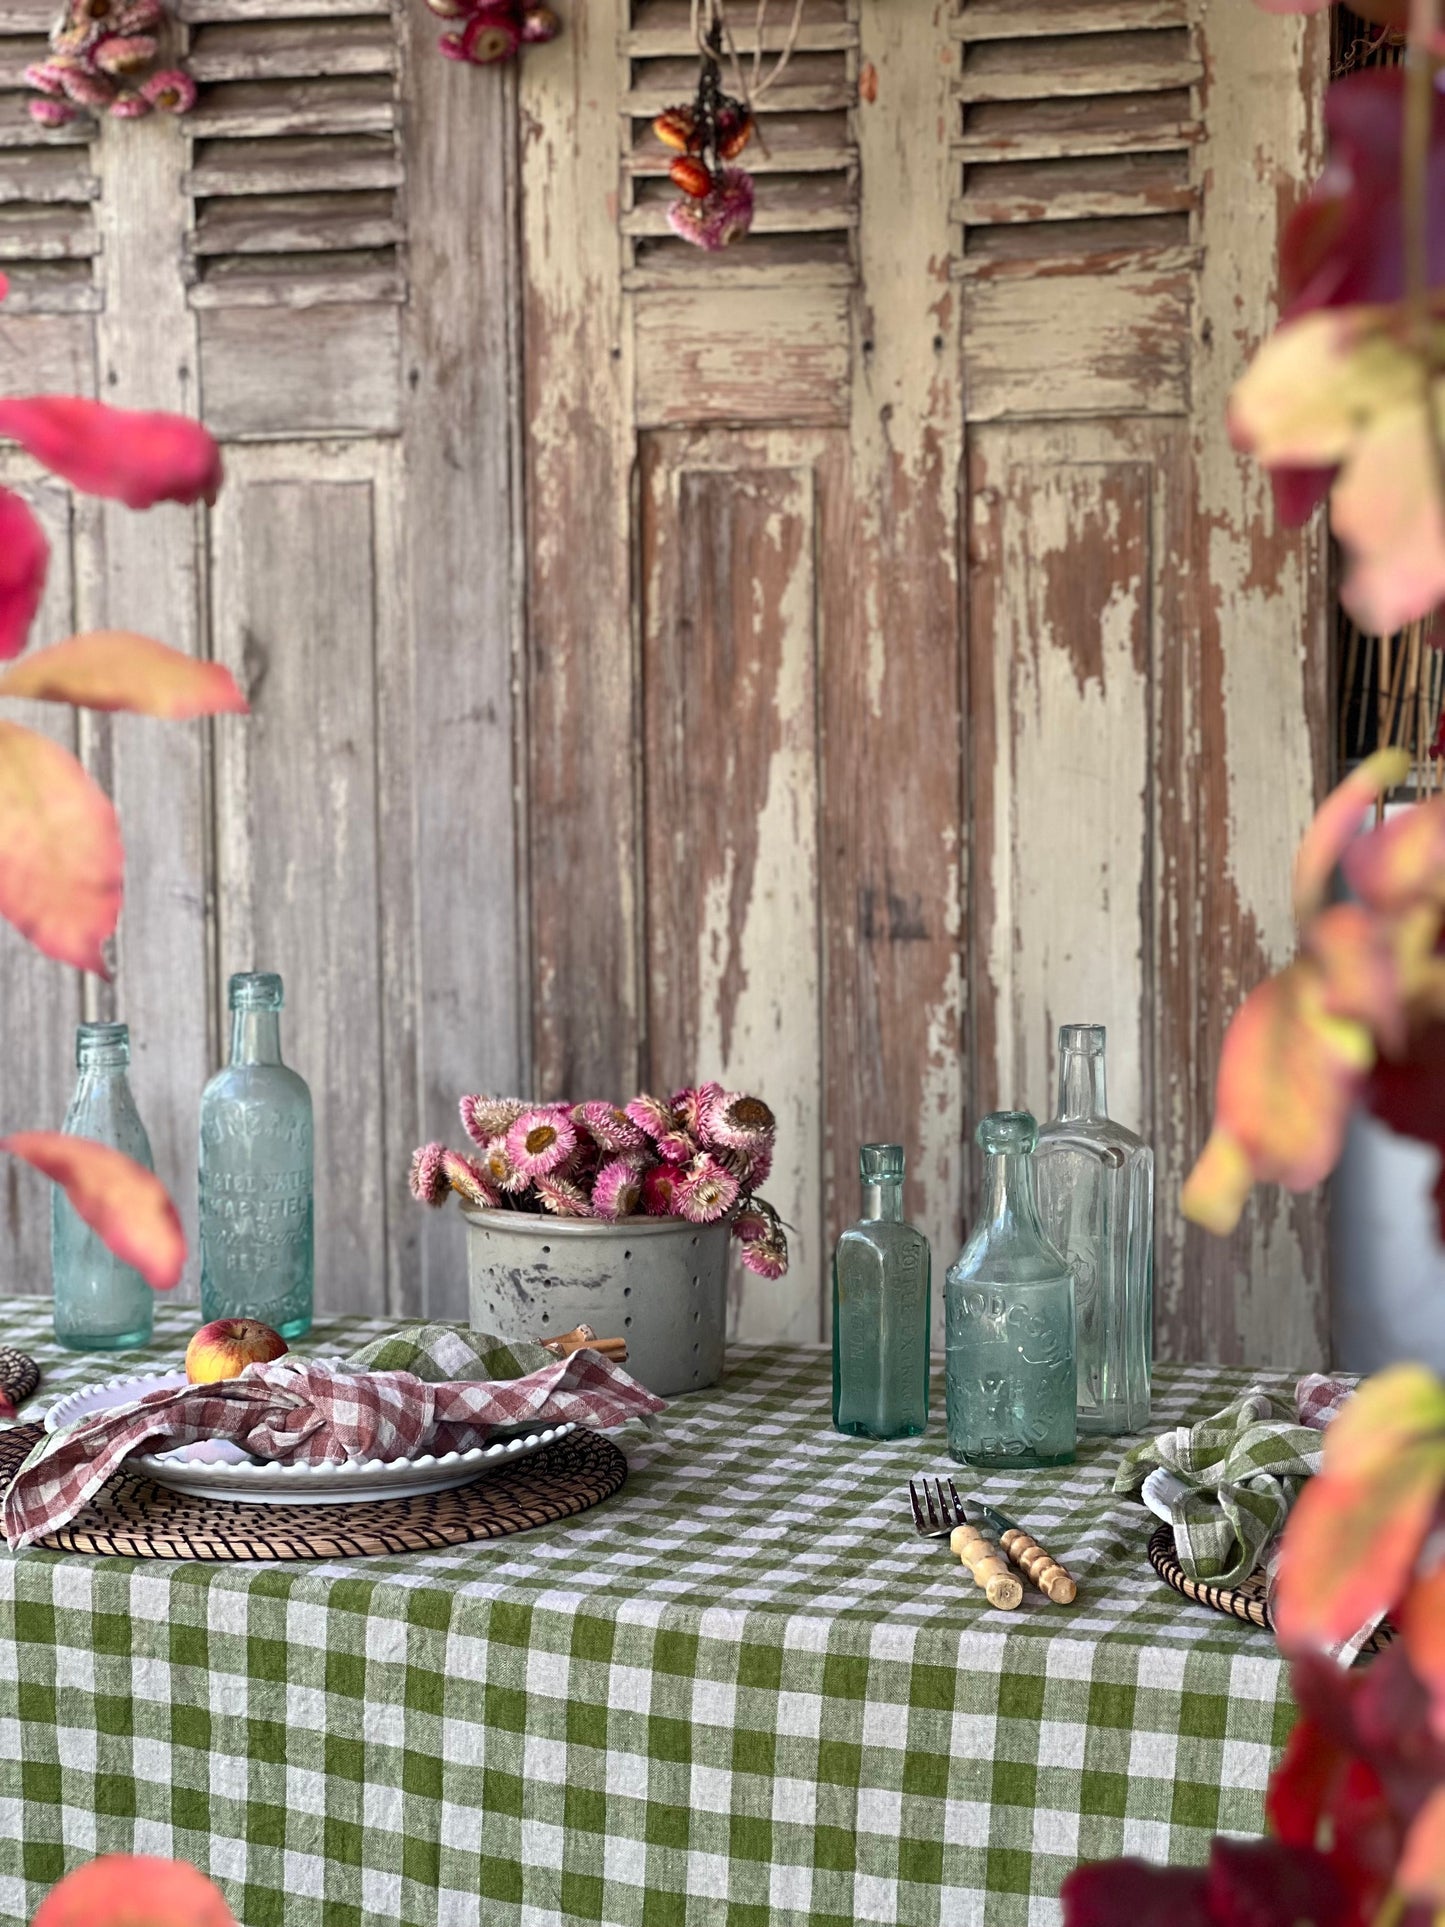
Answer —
(48, 235)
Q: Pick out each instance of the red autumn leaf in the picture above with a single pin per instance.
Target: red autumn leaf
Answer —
(1356, 1531)
(60, 850)
(1408, 1094)
(136, 458)
(1111, 1891)
(1422, 1865)
(24, 559)
(1300, 1787)
(123, 1203)
(134, 1890)
(110, 669)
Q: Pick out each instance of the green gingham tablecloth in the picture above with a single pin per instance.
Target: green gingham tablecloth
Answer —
(741, 1694)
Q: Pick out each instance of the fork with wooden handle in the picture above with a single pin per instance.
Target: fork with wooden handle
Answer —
(1038, 1566)
(585, 1339)
(980, 1556)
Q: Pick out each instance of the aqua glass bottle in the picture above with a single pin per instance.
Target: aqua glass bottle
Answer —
(1096, 1198)
(257, 1256)
(101, 1303)
(880, 1310)
(1009, 1318)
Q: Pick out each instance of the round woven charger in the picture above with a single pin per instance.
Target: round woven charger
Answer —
(141, 1520)
(1248, 1600)
(19, 1374)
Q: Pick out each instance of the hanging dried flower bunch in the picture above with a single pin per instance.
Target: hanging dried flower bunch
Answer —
(698, 1155)
(709, 132)
(487, 32)
(102, 60)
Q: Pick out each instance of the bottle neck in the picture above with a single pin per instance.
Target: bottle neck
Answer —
(255, 1037)
(1009, 1203)
(883, 1200)
(1081, 1083)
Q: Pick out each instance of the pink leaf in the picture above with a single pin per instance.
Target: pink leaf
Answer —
(60, 850)
(138, 459)
(110, 669)
(24, 558)
(123, 1203)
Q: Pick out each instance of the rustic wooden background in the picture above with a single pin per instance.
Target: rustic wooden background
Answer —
(827, 668)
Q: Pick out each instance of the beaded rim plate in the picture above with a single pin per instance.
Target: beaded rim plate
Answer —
(251, 1481)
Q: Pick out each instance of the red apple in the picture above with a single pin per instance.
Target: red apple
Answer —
(225, 1347)
(124, 1890)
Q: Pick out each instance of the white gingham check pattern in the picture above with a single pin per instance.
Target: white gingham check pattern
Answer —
(740, 1694)
(302, 1412)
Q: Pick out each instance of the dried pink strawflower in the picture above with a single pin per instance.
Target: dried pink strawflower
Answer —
(87, 89)
(617, 1189)
(46, 112)
(752, 1223)
(760, 1167)
(429, 1181)
(124, 53)
(470, 1180)
(500, 1167)
(720, 217)
(171, 91)
(484, 1118)
(651, 1116)
(740, 1122)
(690, 1106)
(659, 1190)
(768, 1257)
(129, 105)
(706, 1192)
(46, 77)
(140, 16)
(563, 1198)
(541, 1139)
(609, 1127)
(677, 1147)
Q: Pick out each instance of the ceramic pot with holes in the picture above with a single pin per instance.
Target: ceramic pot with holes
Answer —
(660, 1283)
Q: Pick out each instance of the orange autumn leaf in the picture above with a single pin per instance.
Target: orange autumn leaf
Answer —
(134, 1890)
(1360, 971)
(1336, 824)
(1288, 1074)
(112, 669)
(1401, 864)
(123, 1203)
(1422, 1627)
(1421, 1874)
(1356, 1531)
(60, 850)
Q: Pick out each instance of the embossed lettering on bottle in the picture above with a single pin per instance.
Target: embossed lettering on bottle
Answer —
(256, 1172)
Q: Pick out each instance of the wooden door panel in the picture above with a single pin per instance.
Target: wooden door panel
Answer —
(729, 536)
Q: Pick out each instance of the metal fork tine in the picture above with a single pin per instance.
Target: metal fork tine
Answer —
(917, 1508)
(934, 1524)
(949, 1518)
(957, 1503)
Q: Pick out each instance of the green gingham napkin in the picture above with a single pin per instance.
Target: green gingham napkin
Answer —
(1228, 1482)
(442, 1353)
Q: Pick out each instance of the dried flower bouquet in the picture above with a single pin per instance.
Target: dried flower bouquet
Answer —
(698, 1155)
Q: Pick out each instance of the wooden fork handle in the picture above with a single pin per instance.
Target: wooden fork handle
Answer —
(1039, 1567)
(585, 1339)
(980, 1556)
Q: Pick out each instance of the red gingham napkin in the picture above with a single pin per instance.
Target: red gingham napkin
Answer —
(1318, 1398)
(303, 1413)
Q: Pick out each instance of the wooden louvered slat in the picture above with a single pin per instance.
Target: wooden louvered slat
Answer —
(18, 130)
(297, 224)
(57, 233)
(287, 50)
(245, 167)
(1095, 63)
(46, 175)
(1010, 20)
(1075, 190)
(199, 12)
(791, 144)
(811, 83)
(48, 236)
(664, 27)
(804, 204)
(359, 105)
(298, 281)
(1103, 124)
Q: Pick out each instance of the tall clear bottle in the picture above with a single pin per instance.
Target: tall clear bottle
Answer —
(881, 1310)
(1096, 1197)
(257, 1255)
(1009, 1314)
(101, 1303)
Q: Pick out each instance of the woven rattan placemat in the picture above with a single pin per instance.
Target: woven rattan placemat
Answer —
(1249, 1600)
(141, 1520)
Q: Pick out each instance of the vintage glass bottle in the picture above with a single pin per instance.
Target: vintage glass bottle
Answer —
(1096, 1198)
(880, 1310)
(1009, 1317)
(101, 1303)
(256, 1204)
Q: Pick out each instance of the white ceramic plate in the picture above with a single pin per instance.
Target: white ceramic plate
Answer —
(217, 1469)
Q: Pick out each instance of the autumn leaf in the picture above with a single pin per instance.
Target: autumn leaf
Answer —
(24, 559)
(60, 850)
(1422, 1627)
(134, 1890)
(123, 1203)
(111, 669)
(1357, 1528)
(1422, 1865)
(127, 456)
(1337, 823)
(1358, 966)
(1401, 863)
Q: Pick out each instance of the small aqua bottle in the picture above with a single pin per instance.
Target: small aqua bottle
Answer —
(880, 1310)
(101, 1303)
(1009, 1316)
(257, 1253)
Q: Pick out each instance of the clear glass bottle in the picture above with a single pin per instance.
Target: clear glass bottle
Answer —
(1009, 1313)
(1096, 1198)
(101, 1303)
(256, 1207)
(880, 1310)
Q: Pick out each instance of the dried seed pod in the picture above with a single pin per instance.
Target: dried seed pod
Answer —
(539, 24)
(689, 174)
(734, 130)
(489, 37)
(676, 128)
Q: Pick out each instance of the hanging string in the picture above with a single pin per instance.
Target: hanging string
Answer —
(710, 23)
